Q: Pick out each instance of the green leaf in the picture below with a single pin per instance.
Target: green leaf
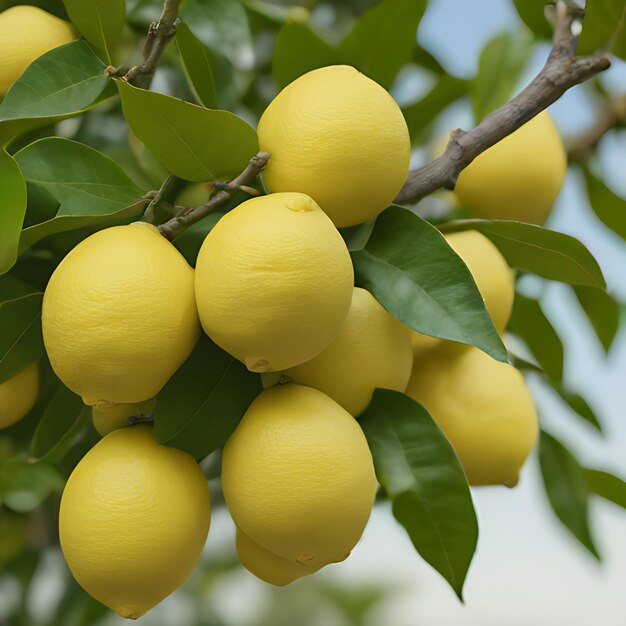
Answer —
(99, 21)
(89, 187)
(298, 50)
(421, 473)
(603, 19)
(203, 402)
(21, 342)
(538, 250)
(579, 405)
(24, 486)
(383, 39)
(63, 82)
(413, 272)
(59, 425)
(356, 237)
(608, 206)
(12, 288)
(500, 65)
(607, 486)
(533, 15)
(602, 311)
(12, 210)
(194, 143)
(529, 322)
(198, 65)
(566, 488)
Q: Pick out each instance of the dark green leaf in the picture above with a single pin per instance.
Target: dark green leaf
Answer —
(603, 19)
(608, 206)
(203, 402)
(24, 486)
(99, 21)
(12, 210)
(421, 473)
(566, 488)
(538, 250)
(413, 272)
(607, 486)
(21, 342)
(298, 50)
(382, 40)
(12, 288)
(356, 237)
(533, 15)
(579, 405)
(602, 310)
(194, 143)
(425, 59)
(529, 322)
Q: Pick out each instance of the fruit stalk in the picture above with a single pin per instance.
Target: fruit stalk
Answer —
(561, 71)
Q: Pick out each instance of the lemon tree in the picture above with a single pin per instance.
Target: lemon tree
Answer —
(230, 271)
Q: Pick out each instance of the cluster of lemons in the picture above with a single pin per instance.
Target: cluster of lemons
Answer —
(274, 287)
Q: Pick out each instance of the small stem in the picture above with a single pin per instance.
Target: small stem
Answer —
(168, 184)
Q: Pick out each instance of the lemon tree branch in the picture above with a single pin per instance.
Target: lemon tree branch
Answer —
(561, 71)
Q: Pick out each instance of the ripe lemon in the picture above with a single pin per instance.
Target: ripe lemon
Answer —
(119, 315)
(372, 349)
(339, 137)
(18, 395)
(483, 407)
(520, 177)
(492, 275)
(274, 282)
(133, 521)
(268, 566)
(298, 476)
(27, 33)
(106, 419)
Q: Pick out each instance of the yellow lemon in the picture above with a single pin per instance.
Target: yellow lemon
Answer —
(274, 282)
(298, 476)
(268, 566)
(18, 395)
(119, 315)
(106, 419)
(484, 408)
(339, 137)
(372, 349)
(27, 33)
(520, 177)
(133, 521)
(492, 275)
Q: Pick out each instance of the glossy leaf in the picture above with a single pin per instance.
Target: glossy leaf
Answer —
(602, 310)
(422, 475)
(607, 486)
(203, 402)
(608, 206)
(413, 272)
(99, 21)
(533, 15)
(579, 405)
(24, 485)
(12, 210)
(534, 249)
(566, 488)
(298, 50)
(603, 19)
(382, 40)
(194, 143)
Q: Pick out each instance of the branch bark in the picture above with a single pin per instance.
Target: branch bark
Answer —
(561, 71)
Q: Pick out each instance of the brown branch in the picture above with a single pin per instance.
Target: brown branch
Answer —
(561, 71)
(172, 228)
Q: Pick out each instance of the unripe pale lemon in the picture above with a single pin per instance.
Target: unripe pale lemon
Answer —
(106, 419)
(339, 137)
(18, 395)
(268, 566)
(484, 408)
(492, 275)
(27, 33)
(372, 349)
(298, 476)
(119, 315)
(274, 281)
(133, 521)
(520, 177)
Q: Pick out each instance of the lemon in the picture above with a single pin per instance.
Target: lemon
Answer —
(274, 282)
(484, 408)
(339, 137)
(133, 520)
(520, 177)
(110, 418)
(119, 315)
(492, 275)
(298, 476)
(268, 566)
(372, 349)
(18, 395)
(27, 33)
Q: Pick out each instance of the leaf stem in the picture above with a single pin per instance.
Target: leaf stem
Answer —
(156, 197)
